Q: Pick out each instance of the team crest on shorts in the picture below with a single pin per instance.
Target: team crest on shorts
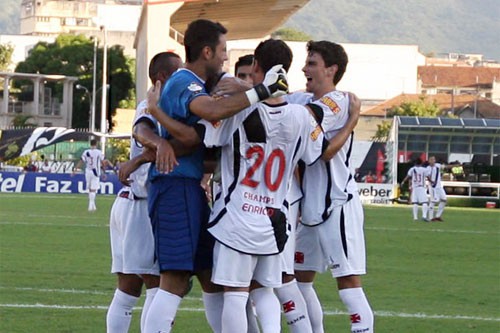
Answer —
(195, 87)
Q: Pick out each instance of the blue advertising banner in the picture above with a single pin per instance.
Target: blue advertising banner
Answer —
(41, 182)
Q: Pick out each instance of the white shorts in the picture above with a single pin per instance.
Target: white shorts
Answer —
(419, 195)
(236, 269)
(132, 242)
(338, 243)
(437, 194)
(288, 253)
(93, 182)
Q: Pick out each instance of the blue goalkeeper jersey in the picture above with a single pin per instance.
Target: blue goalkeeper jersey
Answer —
(180, 90)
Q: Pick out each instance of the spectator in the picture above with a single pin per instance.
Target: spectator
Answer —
(370, 177)
(45, 167)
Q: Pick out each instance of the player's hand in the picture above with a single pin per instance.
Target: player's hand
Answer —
(153, 96)
(276, 81)
(165, 157)
(230, 86)
(275, 84)
(104, 176)
(205, 185)
(354, 106)
(126, 168)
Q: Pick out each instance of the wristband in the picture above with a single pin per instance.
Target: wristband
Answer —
(252, 96)
(257, 93)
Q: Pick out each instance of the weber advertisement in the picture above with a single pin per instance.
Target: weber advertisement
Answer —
(376, 193)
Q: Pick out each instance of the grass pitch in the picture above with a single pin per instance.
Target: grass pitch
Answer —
(422, 277)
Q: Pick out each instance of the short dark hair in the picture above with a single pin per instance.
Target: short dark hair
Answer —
(273, 52)
(332, 54)
(161, 63)
(201, 33)
(418, 161)
(93, 142)
(246, 60)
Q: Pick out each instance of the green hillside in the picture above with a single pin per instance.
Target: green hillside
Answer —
(464, 26)
(9, 16)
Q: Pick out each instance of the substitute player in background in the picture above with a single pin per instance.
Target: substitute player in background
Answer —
(132, 243)
(331, 230)
(94, 161)
(436, 190)
(418, 175)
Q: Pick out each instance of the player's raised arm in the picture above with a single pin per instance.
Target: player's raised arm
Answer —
(212, 109)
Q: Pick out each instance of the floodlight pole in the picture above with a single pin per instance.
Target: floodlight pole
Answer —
(92, 113)
(104, 129)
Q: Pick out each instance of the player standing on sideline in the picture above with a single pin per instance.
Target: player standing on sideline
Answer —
(132, 243)
(331, 230)
(178, 206)
(436, 190)
(418, 175)
(94, 162)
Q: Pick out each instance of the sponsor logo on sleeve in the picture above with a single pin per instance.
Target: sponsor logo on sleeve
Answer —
(330, 103)
(195, 87)
(315, 133)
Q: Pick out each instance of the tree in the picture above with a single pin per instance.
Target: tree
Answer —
(6, 51)
(420, 108)
(73, 56)
(291, 34)
(22, 121)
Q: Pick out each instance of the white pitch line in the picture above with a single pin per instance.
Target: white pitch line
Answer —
(78, 291)
(433, 230)
(44, 224)
(326, 312)
(473, 232)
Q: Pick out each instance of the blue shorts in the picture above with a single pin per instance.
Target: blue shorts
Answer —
(179, 214)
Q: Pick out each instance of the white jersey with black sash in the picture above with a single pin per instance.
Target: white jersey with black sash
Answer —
(328, 184)
(261, 146)
(434, 173)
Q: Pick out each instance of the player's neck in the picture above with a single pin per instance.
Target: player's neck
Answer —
(324, 89)
(275, 100)
(198, 68)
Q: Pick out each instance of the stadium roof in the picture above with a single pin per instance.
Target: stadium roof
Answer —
(244, 19)
(447, 136)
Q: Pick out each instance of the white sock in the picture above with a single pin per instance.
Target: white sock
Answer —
(253, 326)
(294, 307)
(213, 303)
(120, 312)
(150, 295)
(233, 312)
(161, 313)
(431, 210)
(314, 309)
(358, 308)
(425, 208)
(92, 200)
(268, 310)
(441, 206)
(415, 211)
